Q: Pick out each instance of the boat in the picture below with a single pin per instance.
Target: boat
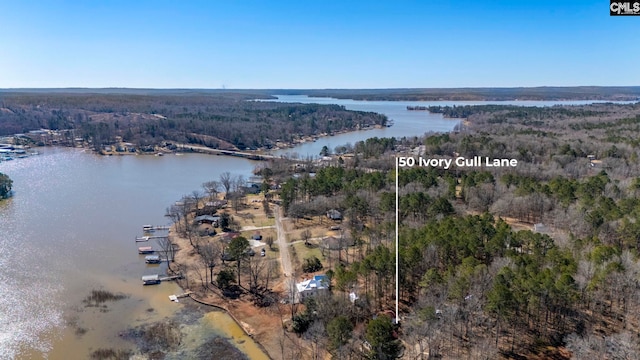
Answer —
(147, 228)
(152, 259)
(151, 279)
(142, 238)
(145, 250)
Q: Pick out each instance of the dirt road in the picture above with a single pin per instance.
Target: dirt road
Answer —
(283, 247)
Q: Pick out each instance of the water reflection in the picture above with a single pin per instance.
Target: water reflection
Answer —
(70, 228)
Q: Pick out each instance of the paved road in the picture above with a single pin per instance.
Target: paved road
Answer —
(283, 248)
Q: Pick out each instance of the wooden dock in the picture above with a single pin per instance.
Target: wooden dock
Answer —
(152, 228)
(174, 277)
(176, 297)
(149, 237)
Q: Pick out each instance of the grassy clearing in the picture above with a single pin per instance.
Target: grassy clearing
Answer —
(272, 254)
(252, 213)
(300, 251)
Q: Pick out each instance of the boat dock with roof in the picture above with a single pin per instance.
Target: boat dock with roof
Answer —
(157, 279)
(145, 250)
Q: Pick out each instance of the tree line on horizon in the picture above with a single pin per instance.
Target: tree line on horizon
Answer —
(610, 93)
(227, 121)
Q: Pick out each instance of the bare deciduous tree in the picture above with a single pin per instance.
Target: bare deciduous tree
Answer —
(306, 235)
(212, 188)
(168, 248)
(226, 181)
(210, 253)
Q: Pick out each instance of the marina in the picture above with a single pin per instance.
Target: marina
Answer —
(10, 152)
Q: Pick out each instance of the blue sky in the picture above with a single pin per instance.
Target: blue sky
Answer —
(315, 44)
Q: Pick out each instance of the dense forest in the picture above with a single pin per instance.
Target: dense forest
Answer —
(218, 120)
(536, 261)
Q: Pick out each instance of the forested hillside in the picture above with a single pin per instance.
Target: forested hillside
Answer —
(536, 261)
(216, 120)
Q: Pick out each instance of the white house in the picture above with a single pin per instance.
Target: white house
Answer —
(312, 287)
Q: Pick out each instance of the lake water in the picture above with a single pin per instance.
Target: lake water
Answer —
(70, 228)
(71, 225)
(406, 123)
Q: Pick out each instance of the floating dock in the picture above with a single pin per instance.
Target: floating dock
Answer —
(175, 298)
(149, 228)
(149, 237)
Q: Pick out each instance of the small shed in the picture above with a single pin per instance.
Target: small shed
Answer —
(540, 228)
(334, 214)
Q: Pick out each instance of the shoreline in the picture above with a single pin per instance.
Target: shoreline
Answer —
(257, 154)
(212, 298)
(240, 324)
